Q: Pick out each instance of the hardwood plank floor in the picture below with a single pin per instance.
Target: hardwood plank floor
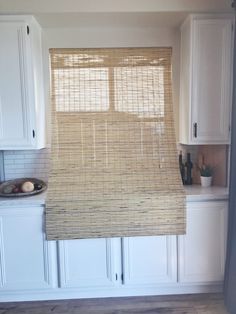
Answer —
(181, 304)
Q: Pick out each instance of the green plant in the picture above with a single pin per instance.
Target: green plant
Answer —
(206, 170)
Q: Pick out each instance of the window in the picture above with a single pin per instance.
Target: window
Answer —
(85, 89)
(137, 89)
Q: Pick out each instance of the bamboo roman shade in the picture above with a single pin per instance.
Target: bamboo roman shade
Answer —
(114, 169)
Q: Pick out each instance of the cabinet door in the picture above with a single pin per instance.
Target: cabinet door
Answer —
(88, 262)
(149, 260)
(25, 256)
(211, 80)
(15, 124)
(202, 250)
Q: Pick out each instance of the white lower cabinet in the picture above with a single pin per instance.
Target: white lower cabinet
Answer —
(26, 258)
(122, 262)
(149, 260)
(195, 258)
(88, 263)
(201, 252)
(32, 268)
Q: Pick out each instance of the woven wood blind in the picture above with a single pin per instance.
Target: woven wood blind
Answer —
(114, 169)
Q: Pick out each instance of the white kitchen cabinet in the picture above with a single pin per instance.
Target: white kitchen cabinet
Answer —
(89, 263)
(26, 258)
(101, 262)
(22, 112)
(149, 260)
(201, 252)
(206, 79)
(32, 268)
(154, 261)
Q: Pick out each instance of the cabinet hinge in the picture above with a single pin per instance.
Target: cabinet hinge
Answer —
(27, 29)
(116, 277)
(33, 133)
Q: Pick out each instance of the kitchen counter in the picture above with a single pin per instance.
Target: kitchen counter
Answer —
(38, 199)
(194, 193)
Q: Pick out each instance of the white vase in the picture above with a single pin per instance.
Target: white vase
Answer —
(206, 181)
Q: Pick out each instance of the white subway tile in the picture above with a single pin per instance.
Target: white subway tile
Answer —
(26, 164)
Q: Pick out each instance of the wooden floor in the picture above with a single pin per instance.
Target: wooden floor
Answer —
(184, 304)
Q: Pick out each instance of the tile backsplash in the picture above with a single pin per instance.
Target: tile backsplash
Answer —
(26, 163)
(192, 149)
(214, 155)
(35, 163)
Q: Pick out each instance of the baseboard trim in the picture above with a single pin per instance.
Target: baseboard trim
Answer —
(62, 294)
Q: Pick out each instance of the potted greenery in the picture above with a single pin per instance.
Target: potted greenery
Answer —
(206, 172)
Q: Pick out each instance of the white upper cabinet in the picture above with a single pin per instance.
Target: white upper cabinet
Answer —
(206, 79)
(22, 115)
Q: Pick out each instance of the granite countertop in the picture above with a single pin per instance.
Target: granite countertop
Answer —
(194, 193)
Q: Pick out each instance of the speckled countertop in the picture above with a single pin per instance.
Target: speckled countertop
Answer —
(194, 193)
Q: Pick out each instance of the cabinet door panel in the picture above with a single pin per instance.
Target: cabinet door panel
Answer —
(15, 129)
(25, 255)
(149, 260)
(202, 249)
(211, 80)
(22, 99)
(87, 262)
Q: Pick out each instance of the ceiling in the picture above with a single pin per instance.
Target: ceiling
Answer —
(113, 13)
(72, 6)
